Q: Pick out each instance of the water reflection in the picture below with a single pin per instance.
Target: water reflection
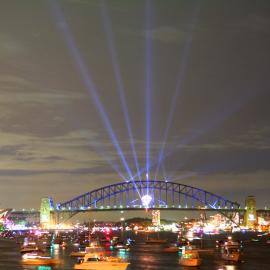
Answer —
(228, 267)
(44, 268)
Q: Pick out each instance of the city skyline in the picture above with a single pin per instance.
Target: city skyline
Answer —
(194, 78)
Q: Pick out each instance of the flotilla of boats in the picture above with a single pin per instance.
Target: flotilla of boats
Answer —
(95, 256)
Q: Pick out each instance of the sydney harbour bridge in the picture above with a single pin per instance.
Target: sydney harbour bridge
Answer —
(140, 194)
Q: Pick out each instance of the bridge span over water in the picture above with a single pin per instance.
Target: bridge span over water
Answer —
(151, 194)
(141, 194)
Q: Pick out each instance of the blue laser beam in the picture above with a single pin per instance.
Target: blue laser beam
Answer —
(99, 148)
(86, 78)
(208, 125)
(148, 82)
(104, 154)
(181, 77)
(120, 87)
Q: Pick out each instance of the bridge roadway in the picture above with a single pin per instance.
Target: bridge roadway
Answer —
(34, 216)
(260, 212)
(240, 210)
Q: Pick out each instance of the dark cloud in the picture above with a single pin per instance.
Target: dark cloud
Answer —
(10, 149)
(102, 169)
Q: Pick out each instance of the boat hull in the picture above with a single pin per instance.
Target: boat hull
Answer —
(28, 250)
(190, 262)
(40, 262)
(231, 257)
(171, 249)
(77, 254)
(102, 266)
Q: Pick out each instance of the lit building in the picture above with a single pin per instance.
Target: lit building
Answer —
(25, 218)
(156, 217)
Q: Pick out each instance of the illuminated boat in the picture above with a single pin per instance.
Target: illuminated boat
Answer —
(190, 257)
(35, 259)
(122, 247)
(93, 262)
(171, 248)
(231, 251)
(92, 249)
(29, 247)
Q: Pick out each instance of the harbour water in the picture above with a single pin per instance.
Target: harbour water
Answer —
(256, 256)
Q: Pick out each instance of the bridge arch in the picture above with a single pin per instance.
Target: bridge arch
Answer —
(163, 194)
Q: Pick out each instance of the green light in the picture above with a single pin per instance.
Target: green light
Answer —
(44, 268)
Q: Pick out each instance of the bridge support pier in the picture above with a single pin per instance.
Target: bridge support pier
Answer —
(250, 217)
(46, 208)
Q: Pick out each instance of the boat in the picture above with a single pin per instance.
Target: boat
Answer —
(182, 241)
(171, 248)
(29, 247)
(80, 253)
(190, 256)
(44, 244)
(114, 240)
(93, 262)
(231, 251)
(122, 247)
(93, 248)
(157, 241)
(255, 240)
(36, 259)
(219, 244)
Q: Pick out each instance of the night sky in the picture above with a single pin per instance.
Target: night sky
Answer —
(204, 63)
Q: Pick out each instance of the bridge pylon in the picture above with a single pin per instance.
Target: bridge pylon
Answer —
(47, 218)
(250, 217)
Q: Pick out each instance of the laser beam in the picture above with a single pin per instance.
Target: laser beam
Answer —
(181, 77)
(86, 78)
(120, 87)
(209, 124)
(148, 82)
